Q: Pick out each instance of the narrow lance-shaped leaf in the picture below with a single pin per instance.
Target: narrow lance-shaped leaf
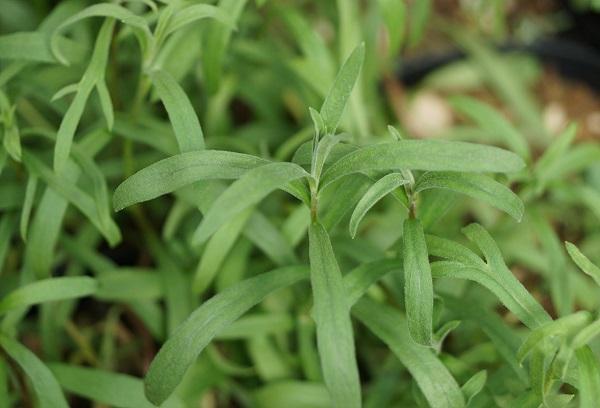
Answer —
(191, 337)
(94, 74)
(181, 113)
(474, 385)
(197, 12)
(118, 390)
(492, 122)
(30, 191)
(436, 383)
(495, 276)
(180, 170)
(434, 155)
(250, 189)
(376, 192)
(589, 377)
(418, 287)
(48, 290)
(338, 95)
(331, 312)
(478, 186)
(45, 386)
(583, 262)
(75, 196)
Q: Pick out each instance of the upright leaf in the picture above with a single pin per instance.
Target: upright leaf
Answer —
(436, 383)
(589, 377)
(418, 287)
(335, 339)
(338, 95)
(181, 113)
(45, 386)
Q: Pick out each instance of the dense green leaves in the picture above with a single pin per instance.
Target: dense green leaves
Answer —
(418, 286)
(332, 315)
(188, 341)
(424, 155)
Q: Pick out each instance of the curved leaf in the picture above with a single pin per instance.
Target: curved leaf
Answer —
(193, 335)
(331, 313)
(245, 192)
(180, 170)
(45, 386)
(182, 116)
(583, 262)
(478, 186)
(48, 290)
(437, 384)
(433, 155)
(376, 192)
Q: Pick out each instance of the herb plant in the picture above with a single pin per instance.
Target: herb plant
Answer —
(198, 212)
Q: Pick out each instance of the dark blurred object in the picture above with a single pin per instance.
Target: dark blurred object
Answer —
(586, 24)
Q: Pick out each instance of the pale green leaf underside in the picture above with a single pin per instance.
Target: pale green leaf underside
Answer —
(376, 192)
(589, 377)
(583, 262)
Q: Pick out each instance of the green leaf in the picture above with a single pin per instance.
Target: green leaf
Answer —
(106, 104)
(181, 170)
(324, 147)
(418, 287)
(74, 195)
(45, 386)
(198, 12)
(477, 186)
(564, 326)
(127, 284)
(337, 98)
(94, 74)
(474, 385)
(181, 113)
(394, 16)
(48, 290)
(215, 42)
(30, 191)
(118, 390)
(217, 249)
(250, 326)
(419, 15)
(376, 192)
(250, 189)
(583, 262)
(292, 394)
(433, 155)
(331, 313)
(496, 277)
(190, 338)
(436, 383)
(115, 11)
(358, 280)
(589, 377)
(491, 121)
